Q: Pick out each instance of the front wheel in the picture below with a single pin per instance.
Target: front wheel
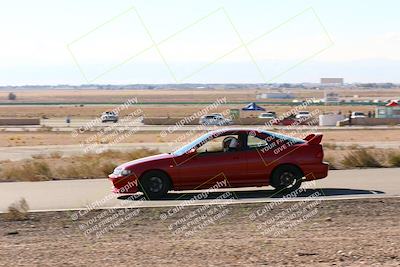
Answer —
(154, 185)
(286, 178)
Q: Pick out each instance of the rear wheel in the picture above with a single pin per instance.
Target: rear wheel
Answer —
(154, 184)
(286, 178)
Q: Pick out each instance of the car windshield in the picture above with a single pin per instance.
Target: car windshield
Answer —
(186, 148)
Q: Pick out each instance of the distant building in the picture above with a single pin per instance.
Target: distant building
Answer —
(332, 81)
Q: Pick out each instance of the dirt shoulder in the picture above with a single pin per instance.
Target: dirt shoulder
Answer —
(13, 139)
(344, 233)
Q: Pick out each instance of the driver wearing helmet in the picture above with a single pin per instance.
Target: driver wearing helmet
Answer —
(230, 143)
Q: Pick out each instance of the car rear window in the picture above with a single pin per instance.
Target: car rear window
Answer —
(291, 139)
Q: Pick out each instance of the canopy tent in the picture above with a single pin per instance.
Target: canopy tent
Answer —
(392, 103)
(253, 107)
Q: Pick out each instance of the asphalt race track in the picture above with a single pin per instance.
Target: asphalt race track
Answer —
(77, 194)
(59, 125)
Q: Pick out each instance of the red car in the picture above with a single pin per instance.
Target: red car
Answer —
(237, 157)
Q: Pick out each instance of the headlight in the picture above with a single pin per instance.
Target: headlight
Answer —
(121, 172)
(125, 172)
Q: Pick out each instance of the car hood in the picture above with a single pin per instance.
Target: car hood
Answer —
(146, 159)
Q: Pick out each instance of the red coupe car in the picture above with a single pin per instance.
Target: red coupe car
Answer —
(239, 157)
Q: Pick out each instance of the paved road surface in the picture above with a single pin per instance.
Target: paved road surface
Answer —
(76, 194)
(59, 124)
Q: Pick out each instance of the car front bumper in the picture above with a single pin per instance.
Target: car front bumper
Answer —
(123, 184)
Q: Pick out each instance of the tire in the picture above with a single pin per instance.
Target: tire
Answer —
(154, 185)
(286, 178)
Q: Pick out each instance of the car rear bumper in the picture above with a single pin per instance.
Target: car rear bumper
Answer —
(123, 185)
(316, 171)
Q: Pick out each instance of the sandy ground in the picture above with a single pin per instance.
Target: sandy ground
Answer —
(341, 233)
(150, 110)
(168, 96)
(9, 139)
(171, 95)
(159, 95)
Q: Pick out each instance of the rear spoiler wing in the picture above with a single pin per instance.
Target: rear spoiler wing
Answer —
(313, 139)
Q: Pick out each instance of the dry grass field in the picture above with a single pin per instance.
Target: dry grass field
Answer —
(56, 167)
(165, 95)
(174, 95)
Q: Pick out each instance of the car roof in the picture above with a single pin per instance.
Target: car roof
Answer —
(235, 130)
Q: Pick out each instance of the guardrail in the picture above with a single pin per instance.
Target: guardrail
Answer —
(370, 121)
(183, 121)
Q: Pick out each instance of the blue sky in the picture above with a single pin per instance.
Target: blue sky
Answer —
(177, 41)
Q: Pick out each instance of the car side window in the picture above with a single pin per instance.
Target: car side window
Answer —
(220, 144)
(256, 141)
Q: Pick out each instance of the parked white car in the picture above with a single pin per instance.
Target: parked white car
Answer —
(357, 114)
(267, 115)
(214, 119)
(109, 116)
(303, 114)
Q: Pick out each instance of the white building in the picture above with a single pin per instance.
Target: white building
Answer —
(332, 81)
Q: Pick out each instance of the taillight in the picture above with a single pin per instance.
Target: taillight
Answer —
(320, 153)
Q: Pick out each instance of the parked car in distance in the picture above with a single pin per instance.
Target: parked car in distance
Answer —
(232, 157)
(303, 114)
(357, 114)
(109, 116)
(267, 115)
(214, 119)
(285, 121)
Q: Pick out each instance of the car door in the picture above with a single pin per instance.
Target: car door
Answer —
(205, 169)
(260, 156)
